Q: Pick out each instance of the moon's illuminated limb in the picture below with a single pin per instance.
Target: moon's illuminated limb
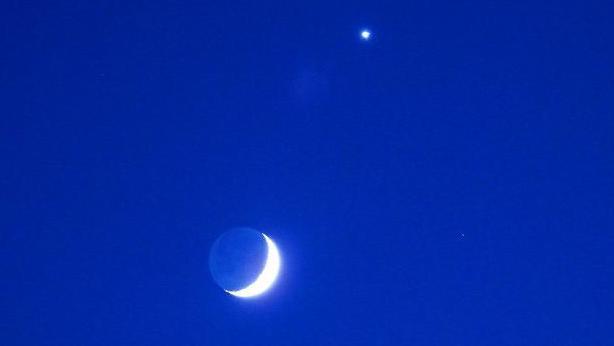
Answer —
(268, 275)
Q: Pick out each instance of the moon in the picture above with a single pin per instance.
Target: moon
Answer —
(245, 263)
(268, 275)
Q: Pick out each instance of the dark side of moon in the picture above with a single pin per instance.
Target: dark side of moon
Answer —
(237, 257)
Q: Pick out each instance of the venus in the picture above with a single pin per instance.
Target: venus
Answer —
(244, 262)
(365, 35)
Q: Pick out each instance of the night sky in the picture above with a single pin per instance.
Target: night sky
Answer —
(448, 182)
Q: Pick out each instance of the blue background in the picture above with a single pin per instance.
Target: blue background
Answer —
(450, 182)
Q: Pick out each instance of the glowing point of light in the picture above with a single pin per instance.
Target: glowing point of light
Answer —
(365, 34)
(268, 275)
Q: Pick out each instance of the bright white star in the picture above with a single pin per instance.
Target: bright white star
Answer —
(365, 34)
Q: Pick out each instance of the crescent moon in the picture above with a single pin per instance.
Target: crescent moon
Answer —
(268, 275)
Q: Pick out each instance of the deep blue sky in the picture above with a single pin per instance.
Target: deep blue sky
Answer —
(450, 182)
